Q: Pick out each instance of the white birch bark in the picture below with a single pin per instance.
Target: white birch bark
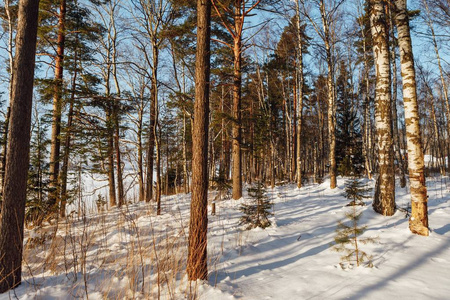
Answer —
(418, 222)
(384, 200)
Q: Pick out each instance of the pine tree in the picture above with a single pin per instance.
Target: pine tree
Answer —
(256, 214)
(347, 238)
(17, 160)
(197, 265)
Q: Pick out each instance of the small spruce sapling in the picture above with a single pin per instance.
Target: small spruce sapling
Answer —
(347, 239)
(257, 212)
(356, 191)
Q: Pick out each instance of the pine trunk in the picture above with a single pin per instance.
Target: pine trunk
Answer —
(57, 107)
(418, 222)
(384, 200)
(17, 160)
(236, 110)
(197, 257)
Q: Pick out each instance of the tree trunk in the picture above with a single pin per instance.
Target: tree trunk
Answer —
(152, 129)
(384, 200)
(299, 97)
(418, 222)
(197, 257)
(67, 144)
(17, 160)
(110, 146)
(236, 110)
(331, 96)
(57, 107)
(140, 153)
(395, 131)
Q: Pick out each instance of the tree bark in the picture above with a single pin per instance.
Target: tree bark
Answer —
(236, 110)
(152, 129)
(331, 96)
(418, 222)
(17, 160)
(395, 130)
(384, 200)
(57, 107)
(299, 97)
(197, 257)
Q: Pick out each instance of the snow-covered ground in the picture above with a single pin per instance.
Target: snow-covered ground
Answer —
(134, 254)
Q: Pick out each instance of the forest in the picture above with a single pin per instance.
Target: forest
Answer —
(152, 149)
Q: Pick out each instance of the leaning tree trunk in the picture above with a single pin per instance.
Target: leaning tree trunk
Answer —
(197, 267)
(17, 160)
(418, 222)
(57, 107)
(384, 200)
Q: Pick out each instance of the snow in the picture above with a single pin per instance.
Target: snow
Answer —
(126, 252)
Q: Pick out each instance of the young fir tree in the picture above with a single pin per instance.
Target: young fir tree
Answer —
(256, 214)
(347, 238)
(223, 190)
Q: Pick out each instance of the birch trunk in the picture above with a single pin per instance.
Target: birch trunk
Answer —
(418, 222)
(395, 132)
(331, 95)
(384, 200)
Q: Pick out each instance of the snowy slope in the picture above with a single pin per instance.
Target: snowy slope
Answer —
(125, 253)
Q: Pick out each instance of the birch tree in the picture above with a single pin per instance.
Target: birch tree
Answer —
(328, 15)
(418, 222)
(384, 199)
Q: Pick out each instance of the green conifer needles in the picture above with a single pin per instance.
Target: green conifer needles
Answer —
(256, 214)
(347, 239)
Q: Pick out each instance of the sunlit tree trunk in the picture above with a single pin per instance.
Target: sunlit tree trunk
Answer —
(57, 107)
(17, 160)
(418, 222)
(236, 110)
(395, 130)
(197, 267)
(384, 199)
